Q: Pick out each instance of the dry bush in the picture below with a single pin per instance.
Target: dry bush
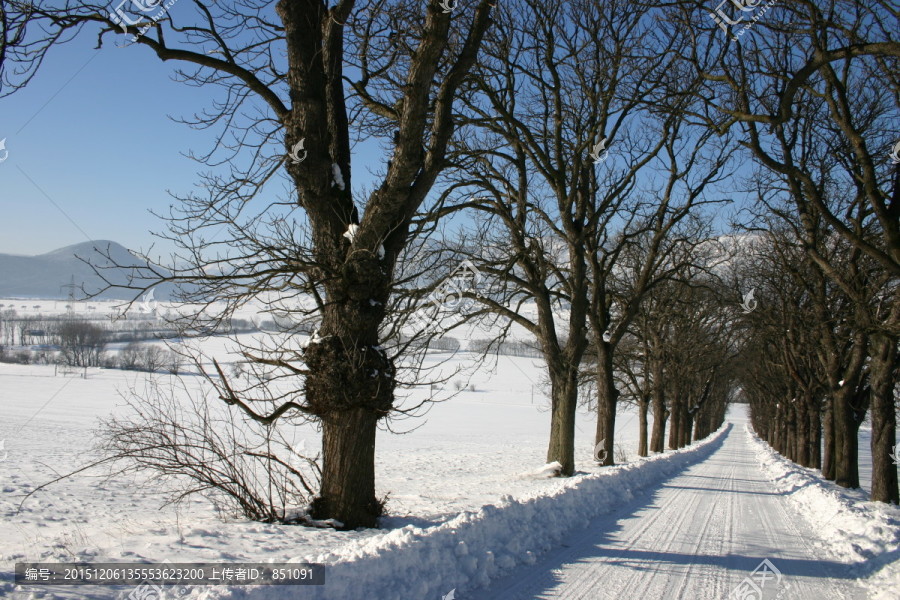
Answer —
(193, 444)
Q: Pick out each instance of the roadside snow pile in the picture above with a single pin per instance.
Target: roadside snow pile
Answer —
(477, 546)
(854, 529)
(546, 472)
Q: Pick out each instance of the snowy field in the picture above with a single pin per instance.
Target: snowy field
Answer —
(464, 453)
(465, 471)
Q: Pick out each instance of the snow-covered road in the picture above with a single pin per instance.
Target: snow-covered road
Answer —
(698, 536)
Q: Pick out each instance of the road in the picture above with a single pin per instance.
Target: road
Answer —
(696, 537)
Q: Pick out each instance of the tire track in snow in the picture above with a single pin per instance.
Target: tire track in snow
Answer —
(695, 537)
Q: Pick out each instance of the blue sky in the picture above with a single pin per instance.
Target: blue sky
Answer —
(99, 151)
(92, 149)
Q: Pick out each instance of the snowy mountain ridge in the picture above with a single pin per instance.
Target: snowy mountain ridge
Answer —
(63, 273)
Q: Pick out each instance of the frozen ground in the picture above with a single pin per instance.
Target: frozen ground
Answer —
(684, 525)
(466, 452)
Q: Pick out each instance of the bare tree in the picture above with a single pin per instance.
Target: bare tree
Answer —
(82, 343)
(806, 351)
(299, 83)
(550, 216)
(820, 78)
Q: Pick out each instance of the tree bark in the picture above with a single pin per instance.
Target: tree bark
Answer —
(676, 423)
(846, 442)
(660, 414)
(348, 469)
(350, 385)
(658, 435)
(830, 441)
(564, 398)
(815, 439)
(884, 419)
(687, 427)
(803, 432)
(607, 395)
(643, 408)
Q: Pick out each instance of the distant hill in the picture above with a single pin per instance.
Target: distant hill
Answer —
(49, 275)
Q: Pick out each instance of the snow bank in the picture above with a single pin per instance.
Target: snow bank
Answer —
(477, 546)
(853, 529)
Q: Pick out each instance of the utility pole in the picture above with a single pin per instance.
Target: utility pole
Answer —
(71, 286)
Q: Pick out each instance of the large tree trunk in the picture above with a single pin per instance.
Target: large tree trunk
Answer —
(564, 398)
(563, 363)
(348, 469)
(643, 408)
(607, 395)
(793, 434)
(846, 442)
(815, 439)
(828, 435)
(350, 401)
(884, 419)
(660, 414)
(350, 386)
(801, 422)
(658, 434)
(686, 428)
(676, 422)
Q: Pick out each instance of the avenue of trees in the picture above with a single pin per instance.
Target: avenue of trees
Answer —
(587, 159)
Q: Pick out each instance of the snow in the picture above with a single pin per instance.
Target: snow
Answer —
(314, 338)
(704, 525)
(464, 453)
(471, 506)
(549, 470)
(351, 233)
(477, 546)
(849, 527)
(337, 176)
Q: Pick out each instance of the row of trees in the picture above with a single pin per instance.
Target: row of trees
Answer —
(80, 343)
(582, 149)
(22, 330)
(817, 98)
(813, 369)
